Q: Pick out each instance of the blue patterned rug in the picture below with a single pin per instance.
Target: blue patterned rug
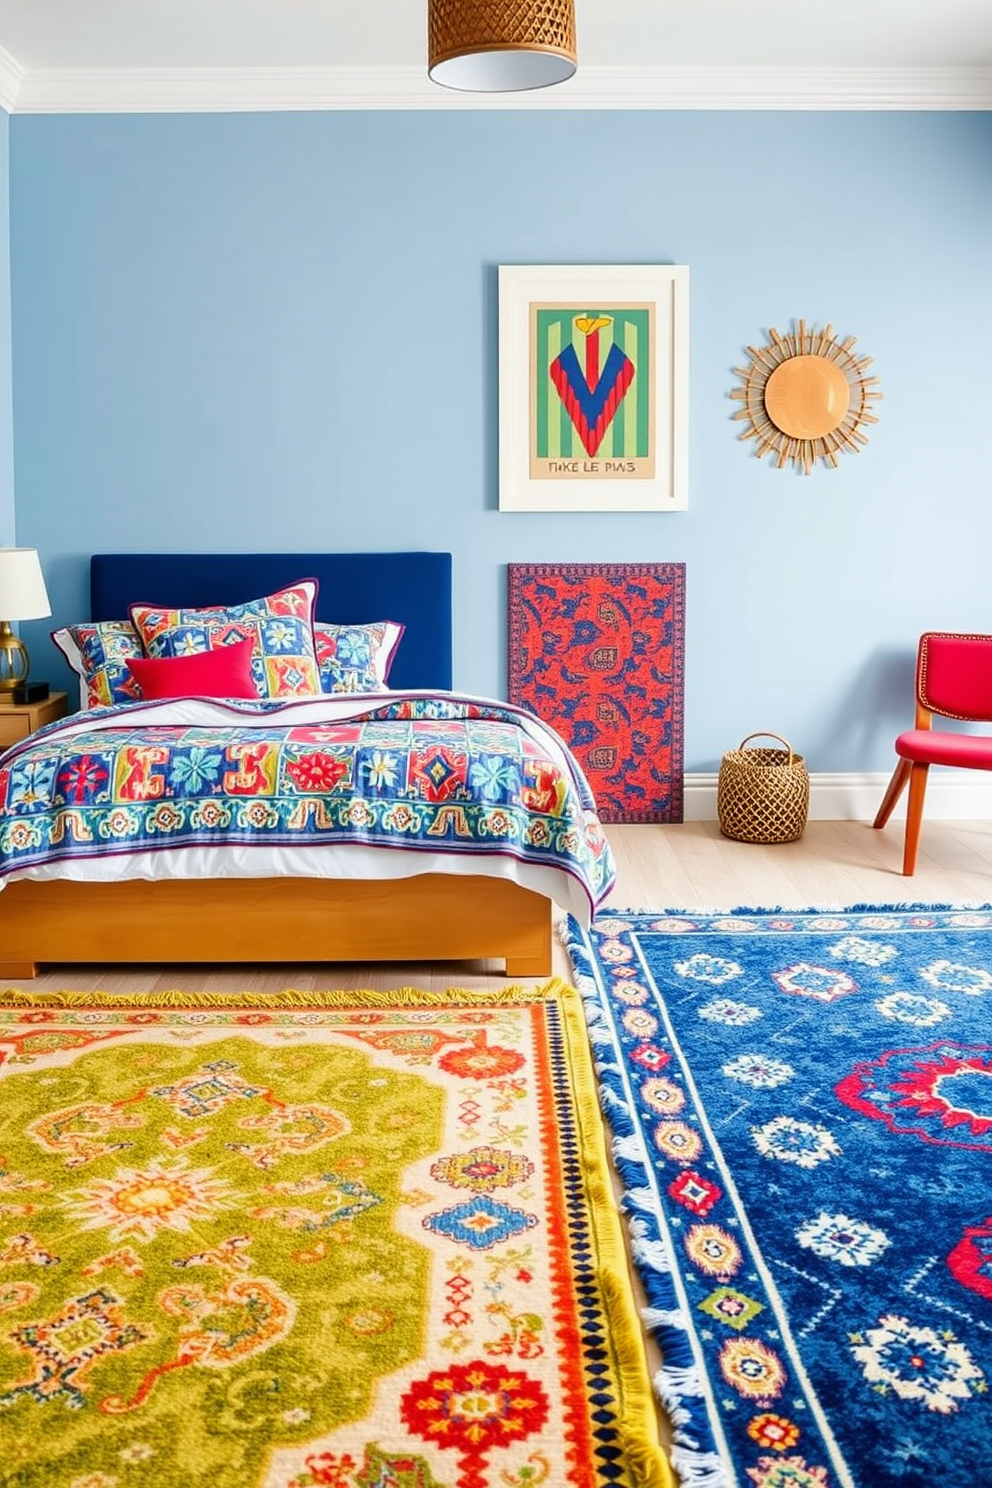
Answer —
(801, 1109)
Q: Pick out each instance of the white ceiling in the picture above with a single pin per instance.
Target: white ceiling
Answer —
(365, 53)
(42, 34)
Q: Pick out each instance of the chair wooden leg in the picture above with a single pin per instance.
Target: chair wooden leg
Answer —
(914, 817)
(895, 788)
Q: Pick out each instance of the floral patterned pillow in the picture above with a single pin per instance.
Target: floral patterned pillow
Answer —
(98, 653)
(356, 658)
(284, 659)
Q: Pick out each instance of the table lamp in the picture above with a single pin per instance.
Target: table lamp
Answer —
(23, 596)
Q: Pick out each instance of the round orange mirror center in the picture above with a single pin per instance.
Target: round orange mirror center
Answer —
(807, 396)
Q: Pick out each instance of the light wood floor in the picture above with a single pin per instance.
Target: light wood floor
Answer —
(690, 866)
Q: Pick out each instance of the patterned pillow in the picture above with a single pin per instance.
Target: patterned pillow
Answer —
(284, 661)
(356, 658)
(99, 653)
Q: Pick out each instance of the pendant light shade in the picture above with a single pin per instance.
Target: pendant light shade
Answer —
(500, 46)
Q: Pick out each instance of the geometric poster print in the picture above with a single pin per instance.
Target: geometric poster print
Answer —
(596, 650)
(593, 387)
(591, 392)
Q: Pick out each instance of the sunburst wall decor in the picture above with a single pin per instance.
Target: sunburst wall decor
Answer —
(806, 397)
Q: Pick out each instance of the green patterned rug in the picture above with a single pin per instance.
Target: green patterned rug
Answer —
(350, 1239)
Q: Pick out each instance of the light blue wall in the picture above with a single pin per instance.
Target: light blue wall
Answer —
(279, 330)
(8, 534)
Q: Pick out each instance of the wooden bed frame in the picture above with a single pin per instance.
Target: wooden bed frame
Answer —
(430, 917)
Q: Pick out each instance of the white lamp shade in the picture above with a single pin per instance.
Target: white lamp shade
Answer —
(501, 71)
(23, 595)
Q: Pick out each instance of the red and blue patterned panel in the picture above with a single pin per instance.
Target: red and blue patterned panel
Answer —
(597, 652)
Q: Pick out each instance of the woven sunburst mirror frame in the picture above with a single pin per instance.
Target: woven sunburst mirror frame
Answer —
(806, 397)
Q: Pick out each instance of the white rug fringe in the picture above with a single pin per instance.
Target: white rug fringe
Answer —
(631, 1148)
(700, 1471)
(678, 1383)
(660, 1317)
(654, 1253)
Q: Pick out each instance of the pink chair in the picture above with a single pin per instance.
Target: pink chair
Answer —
(953, 680)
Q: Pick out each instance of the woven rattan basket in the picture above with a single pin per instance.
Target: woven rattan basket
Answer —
(762, 794)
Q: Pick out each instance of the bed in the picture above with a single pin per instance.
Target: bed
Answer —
(71, 895)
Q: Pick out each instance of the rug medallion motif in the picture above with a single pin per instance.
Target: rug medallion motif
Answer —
(801, 1106)
(318, 1240)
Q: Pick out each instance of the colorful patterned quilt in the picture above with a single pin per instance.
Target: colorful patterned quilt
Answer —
(439, 773)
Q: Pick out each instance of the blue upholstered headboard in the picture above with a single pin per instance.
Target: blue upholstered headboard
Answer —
(354, 588)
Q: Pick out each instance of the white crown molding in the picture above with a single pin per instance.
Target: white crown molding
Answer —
(957, 795)
(11, 77)
(259, 89)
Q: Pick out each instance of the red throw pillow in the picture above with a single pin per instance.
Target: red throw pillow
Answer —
(223, 673)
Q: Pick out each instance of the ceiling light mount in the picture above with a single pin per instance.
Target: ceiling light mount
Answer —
(500, 46)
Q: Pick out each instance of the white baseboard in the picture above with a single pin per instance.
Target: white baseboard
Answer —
(954, 795)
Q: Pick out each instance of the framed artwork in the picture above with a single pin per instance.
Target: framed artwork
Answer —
(593, 387)
(597, 651)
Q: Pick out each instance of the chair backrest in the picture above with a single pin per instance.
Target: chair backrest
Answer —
(954, 675)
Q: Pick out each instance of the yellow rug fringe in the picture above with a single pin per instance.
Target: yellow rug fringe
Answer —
(637, 1416)
(364, 997)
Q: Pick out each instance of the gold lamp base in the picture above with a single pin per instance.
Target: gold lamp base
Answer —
(14, 659)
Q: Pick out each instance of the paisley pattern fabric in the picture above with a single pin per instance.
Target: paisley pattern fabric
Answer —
(312, 1239)
(441, 774)
(597, 651)
(802, 1116)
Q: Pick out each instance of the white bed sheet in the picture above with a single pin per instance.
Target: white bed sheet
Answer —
(339, 862)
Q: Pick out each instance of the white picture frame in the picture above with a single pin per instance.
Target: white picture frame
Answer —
(593, 387)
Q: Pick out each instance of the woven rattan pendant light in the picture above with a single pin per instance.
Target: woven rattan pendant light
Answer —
(500, 46)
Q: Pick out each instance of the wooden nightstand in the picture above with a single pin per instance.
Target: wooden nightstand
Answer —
(16, 722)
